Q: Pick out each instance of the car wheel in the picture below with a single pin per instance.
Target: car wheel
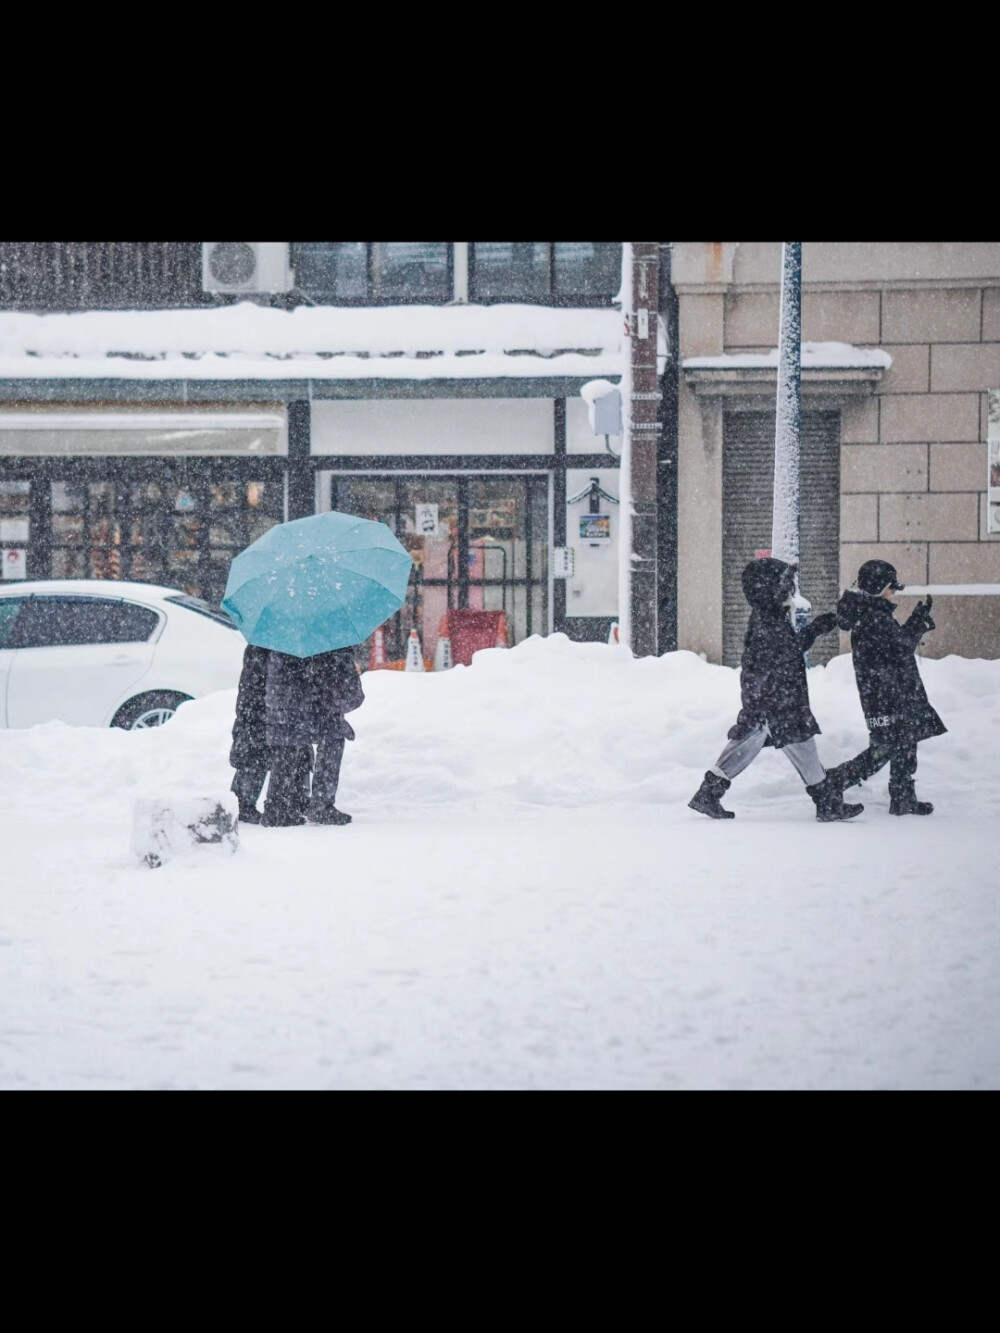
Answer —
(148, 710)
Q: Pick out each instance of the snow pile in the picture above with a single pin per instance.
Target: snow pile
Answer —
(524, 899)
(550, 723)
(815, 356)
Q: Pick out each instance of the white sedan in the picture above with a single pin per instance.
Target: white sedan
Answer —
(106, 654)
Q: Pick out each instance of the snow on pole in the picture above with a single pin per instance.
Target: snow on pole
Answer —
(625, 466)
(786, 508)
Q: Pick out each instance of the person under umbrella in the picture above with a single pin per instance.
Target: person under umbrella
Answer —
(308, 591)
(775, 697)
(306, 699)
(249, 754)
(897, 712)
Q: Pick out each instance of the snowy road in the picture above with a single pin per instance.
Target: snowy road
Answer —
(523, 901)
(517, 953)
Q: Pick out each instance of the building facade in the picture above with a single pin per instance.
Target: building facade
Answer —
(160, 407)
(901, 349)
(164, 403)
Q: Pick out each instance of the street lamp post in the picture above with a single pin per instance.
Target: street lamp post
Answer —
(786, 512)
(638, 604)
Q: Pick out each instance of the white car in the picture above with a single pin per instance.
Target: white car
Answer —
(106, 654)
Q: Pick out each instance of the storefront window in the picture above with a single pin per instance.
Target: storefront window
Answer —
(182, 534)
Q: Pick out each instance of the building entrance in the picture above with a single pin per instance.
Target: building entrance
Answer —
(477, 542)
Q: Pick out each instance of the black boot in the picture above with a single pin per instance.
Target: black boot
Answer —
(828, 798)
(706, 798)
(249, 814)
(319, 812)
(904, 802)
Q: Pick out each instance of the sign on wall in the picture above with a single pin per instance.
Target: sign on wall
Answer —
(14, 563)
(993, 463)
(426, 520)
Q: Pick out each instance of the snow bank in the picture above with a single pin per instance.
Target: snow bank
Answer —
(550, 723)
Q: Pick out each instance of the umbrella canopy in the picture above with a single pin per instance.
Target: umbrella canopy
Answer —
(317, 583)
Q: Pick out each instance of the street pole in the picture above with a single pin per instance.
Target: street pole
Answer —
(785, 513)
(638, 602)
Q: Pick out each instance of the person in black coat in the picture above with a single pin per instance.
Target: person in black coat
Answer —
(897, 711)
(306, 699)
(249, 754)
(774, 696)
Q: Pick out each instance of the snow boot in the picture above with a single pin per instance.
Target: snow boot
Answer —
(903, 801)
(322, 812)
(249, 814)
(828, 797)
(706, 798)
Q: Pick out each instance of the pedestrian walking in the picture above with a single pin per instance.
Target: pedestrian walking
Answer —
(306, 700)
(897, 712)
(774, 696)
(249, 754)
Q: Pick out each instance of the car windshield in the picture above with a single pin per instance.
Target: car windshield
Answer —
(202, 608)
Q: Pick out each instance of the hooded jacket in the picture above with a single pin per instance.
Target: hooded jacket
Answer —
(307, 697)
(773, 684)
(895, 704)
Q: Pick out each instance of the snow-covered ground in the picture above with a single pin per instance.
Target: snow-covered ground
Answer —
(523, 901)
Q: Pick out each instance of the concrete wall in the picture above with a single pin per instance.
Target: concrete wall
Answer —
(913, 461)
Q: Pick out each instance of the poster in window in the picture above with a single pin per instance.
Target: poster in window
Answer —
(426, 520)
(15, 561)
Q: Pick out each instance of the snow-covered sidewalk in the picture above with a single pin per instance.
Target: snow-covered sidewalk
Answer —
(523, 900)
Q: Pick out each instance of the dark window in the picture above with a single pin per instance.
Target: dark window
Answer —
(48, 622)
(553, 272)
(9, 607)
(202, 608)
(373, 272)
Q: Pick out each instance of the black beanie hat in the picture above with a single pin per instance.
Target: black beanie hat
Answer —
(875, 576)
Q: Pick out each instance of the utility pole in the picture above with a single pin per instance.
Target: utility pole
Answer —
(785, 512)
(638, 602)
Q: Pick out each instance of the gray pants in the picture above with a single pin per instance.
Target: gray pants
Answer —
(738, 755)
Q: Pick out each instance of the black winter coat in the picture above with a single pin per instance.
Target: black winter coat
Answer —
(895, 704)
(249, 747)
(773, 684)
(307, 697)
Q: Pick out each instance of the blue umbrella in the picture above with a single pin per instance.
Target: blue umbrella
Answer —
(317, 583)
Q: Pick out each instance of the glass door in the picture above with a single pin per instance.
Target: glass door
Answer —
(477, 543)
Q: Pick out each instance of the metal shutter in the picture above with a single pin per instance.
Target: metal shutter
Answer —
(747, 480)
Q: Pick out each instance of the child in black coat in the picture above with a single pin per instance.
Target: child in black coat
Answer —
(775, 697)
(897, 711)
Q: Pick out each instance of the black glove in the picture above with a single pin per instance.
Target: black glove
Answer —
(825, 623)
(920, 616)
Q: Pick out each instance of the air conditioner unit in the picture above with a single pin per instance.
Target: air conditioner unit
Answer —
(245, 266)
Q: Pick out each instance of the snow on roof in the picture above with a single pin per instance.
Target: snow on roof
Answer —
(815, 356)
(317, 342)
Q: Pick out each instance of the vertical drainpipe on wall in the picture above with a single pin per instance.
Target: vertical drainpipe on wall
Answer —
(301, 487)
(666, 462)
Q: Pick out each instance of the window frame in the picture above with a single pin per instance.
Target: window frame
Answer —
(576, 301)
(373, 296)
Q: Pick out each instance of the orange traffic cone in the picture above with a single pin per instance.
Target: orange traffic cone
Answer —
(613, 635)
(376, 657)
(414, 653)
(502, 641)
